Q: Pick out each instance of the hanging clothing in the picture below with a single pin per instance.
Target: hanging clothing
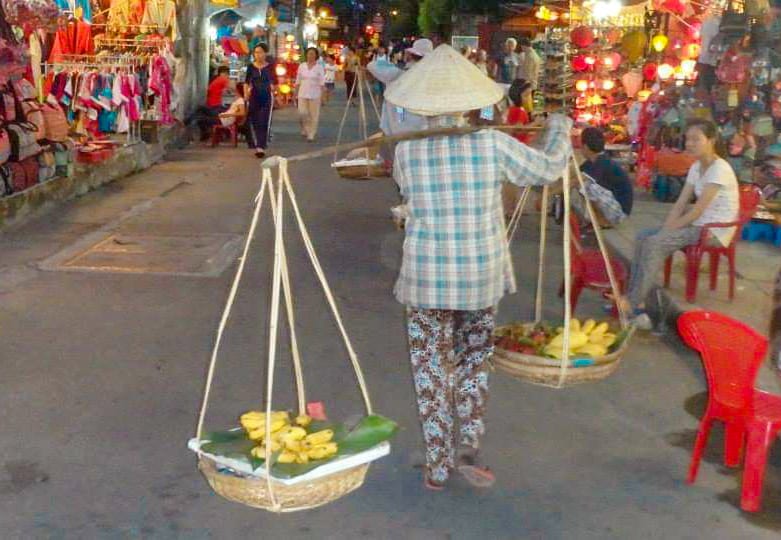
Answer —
(73, 38)
(162, 14)
(123, 14)
(160, 84)
(73, 5)
(36, 57)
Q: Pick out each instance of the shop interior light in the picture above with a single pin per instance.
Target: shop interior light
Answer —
(659, 42)
(290, 38)
(643, 95)
(603, 9)
(281, 71)
(608, 84)
(581, 85)
(590, 60)
(285, 88)
(688, 67)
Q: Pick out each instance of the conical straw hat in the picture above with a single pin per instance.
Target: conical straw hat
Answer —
(443, 82)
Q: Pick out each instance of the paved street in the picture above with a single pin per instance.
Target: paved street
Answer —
(109, 307)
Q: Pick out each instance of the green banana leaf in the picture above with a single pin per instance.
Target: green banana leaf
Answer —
(368, 433)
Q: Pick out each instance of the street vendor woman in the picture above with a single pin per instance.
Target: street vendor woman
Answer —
(456, 264)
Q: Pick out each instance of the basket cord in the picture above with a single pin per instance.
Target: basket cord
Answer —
(541, 267)
(229, 306)
(515, 220)
(567, 279)
(344, 119)
(285, 178)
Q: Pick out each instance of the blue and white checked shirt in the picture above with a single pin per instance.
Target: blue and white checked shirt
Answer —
(455, 251)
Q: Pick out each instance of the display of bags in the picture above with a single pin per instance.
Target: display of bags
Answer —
(734, 67)
(23, 142)
(670, 162)
(47, 166)
(6, 188)
(33, 114)
(17, 176)
(762, 125)
(55, 123)
(31, 171)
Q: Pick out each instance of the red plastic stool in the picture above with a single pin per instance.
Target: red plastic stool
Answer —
(231, 132)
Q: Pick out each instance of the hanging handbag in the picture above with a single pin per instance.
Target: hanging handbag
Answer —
(6, 188)
(33, 115)
(31, 171)
(23, 143)
(5, 146)
(17, 175)
(670, 162)
(55, 123)
(47, 166)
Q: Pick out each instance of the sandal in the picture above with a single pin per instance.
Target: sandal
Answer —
(477, 475)
(430, 485)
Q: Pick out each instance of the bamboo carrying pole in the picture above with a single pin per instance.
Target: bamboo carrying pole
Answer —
(389, 139)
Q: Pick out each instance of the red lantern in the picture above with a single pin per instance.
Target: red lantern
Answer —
(582, 36)
(649, 71)
(579, 63)
(611, 61)
(613, 36)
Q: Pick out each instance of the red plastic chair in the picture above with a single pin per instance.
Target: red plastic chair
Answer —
(750, 196)
(732, 353)
(231, 132)
(588, 269)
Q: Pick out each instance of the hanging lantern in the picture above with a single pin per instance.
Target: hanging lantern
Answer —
(590, 60)
(581, 85)
(665, 71)
(643, 95)
(281, 70)
(688, 67)
(613, 36)
(596, 100)
(582, 36)
(285, 88)
(608, 84)
(659, 42)
(692, 50)
(585, 118)
(633, 44)
(649, 71)
(633, 82)
(579, 63)
(611, 61)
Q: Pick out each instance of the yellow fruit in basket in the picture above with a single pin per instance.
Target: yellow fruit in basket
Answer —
(302, 458)
(559, 329)
(323, 451)
(592, 349)
(292, 433)
(320, 437)
(286, 457)
(601, 328)
(253, 420)
(588, 326)
(576, 340)
(574, 325)
(260, 433)
(555, 351)
(294, 446)
(608, 340)
(303, 420)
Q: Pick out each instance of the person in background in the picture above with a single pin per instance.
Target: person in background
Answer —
(330, 77)
(530, 63)
(309, 87)
(481, 61)
(237, 110)
(259, 94)
(516, 114)
(214, 101)
(258, 37)
(606, 172)
(712, 181)
(380, 56)
(351, 66)
(508, 63)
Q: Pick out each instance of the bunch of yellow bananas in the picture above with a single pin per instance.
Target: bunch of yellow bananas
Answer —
(589, 339)
(291, 440)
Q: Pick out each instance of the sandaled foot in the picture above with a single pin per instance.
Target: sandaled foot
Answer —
(477, 475)
(431, 485)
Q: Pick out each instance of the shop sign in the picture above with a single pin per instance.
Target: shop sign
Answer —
(329, 23)
(226, 3)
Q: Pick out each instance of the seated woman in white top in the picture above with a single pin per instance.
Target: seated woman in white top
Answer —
(237, 109)
(712, 181)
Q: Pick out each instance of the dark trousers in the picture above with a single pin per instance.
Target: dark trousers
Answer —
(208, 117)
(259, 124)
(349, 82)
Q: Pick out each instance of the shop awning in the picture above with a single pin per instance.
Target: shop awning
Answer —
(250, 10)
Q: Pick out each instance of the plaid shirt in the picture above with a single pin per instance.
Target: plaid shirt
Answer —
(455, 251)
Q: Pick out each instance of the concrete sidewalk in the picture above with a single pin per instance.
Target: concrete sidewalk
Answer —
(757, 265)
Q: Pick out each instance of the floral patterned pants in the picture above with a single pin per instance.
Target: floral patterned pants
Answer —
(448, 351)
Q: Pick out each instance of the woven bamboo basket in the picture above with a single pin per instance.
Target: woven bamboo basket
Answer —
(253, 491)
(363, 172)
(547, 371)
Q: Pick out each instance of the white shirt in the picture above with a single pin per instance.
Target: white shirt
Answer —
(330, 73)
(237, 104)
(710, 27)
(725, 205)
(529, 68)
(310, 81)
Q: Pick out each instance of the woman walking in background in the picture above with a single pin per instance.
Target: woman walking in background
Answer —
(309, 85)
(259, 94)
(351, 66)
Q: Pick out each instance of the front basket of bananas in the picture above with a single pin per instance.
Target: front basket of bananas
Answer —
(313, 461)
(534, 352)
